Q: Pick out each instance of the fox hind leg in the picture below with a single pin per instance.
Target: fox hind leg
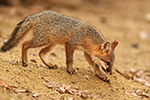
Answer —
(44, 53)
(25, 46)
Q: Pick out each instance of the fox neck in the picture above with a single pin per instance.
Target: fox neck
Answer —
(93, 49)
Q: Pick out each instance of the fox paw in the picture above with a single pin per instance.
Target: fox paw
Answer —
(104, 78)
(24, 64)
(108, 71)
(71, 71)
(53, 67)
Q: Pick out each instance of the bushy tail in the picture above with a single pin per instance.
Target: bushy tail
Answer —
(20, 30)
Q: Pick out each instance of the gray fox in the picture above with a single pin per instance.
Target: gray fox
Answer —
(48, 28)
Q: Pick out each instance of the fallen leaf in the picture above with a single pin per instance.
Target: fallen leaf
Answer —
(139, 93)
(123, 73)
(35, 95)
(63, 88)
(22, 91)
(141, 76)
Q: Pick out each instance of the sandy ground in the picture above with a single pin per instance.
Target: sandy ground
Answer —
(123, 22)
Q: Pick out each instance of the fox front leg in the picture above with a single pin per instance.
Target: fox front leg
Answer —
(69, 58)
(96, 69)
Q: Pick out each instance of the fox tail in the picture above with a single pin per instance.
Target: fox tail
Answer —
(17, 34)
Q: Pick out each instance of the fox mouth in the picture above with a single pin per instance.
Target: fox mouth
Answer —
(106, 69)
(107, 66)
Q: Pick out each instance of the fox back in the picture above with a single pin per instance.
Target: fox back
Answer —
(54, 27)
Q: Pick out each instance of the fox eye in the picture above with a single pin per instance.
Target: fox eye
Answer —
(108, 63)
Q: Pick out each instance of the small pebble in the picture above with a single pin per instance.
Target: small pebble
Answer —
(123, 88)
(29, 70)
(34, 61)
(112, 90)
(73, 82)
(86, 77)
(34, 55)
(7, 70)
(115, 77)
(53, 54)
(77, 68)
(35, 95)
(117, 89)
(135, 45)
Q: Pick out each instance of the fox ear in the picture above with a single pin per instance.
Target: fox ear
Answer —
(114, 44)
(106, 46)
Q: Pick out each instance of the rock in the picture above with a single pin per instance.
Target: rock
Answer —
(32, 60)
(136, 45)
(86, 77)
(35, 95)
(144, 35)
(53, 54)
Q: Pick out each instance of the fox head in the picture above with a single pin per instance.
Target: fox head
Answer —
(106, 53)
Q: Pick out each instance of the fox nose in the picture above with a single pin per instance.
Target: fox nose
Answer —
(108, 63)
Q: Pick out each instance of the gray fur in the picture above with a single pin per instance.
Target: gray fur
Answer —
(51, 27)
